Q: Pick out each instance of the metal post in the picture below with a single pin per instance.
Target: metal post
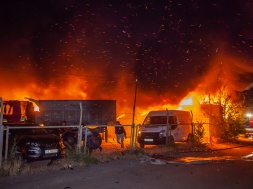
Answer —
(209, 116)
(193, 129)
(167, 126)
(106, 133)
(7, 142)
(85, 140)
(132, 139)
(1, 130)
(79, 140)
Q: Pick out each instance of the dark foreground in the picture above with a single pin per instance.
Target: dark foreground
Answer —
(136, 173)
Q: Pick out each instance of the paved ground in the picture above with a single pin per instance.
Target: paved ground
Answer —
(223, 169)
(140, 173)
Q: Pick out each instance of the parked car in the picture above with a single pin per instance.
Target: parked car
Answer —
(34, 144)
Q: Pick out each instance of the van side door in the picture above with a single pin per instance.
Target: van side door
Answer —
(173, 127)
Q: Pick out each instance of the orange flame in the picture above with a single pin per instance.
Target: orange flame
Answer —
(81, 87)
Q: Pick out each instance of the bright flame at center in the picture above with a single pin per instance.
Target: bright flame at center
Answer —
(36, 109)
(187, 101)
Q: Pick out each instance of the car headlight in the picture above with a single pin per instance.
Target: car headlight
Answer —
(162, 133)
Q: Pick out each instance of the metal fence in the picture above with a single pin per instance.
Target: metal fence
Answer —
(108, 136)
(109, 141)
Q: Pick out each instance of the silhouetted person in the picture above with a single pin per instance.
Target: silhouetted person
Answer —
(120, 133)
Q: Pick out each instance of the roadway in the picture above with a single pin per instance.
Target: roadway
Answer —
(227, 166)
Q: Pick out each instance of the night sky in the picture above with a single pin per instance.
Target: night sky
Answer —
(171, 47)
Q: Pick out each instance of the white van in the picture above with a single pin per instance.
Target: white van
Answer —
(175, 124)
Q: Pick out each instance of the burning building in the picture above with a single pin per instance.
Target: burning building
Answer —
(88, 51)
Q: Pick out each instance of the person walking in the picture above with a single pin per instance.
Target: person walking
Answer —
(120, 133)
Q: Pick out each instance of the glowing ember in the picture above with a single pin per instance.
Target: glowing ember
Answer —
(120, 116)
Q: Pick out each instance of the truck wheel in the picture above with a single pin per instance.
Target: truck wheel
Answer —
(71, 140)
(142, 145)
(89, 150)
(97, 138)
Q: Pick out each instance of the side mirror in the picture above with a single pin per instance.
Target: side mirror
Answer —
(173, 126)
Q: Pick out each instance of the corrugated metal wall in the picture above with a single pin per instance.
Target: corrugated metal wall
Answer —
(95, 112)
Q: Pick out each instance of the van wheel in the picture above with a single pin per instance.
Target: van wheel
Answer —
(97, 138)
(170, 140)
(142, 145)
(190, 138)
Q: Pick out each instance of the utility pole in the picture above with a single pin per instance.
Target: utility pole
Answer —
(167, 126)
(1, 130)
(209, 116)
(132, 139)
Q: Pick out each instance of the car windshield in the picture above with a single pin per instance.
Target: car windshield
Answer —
(37, 131)
(159, 120)
(29, 131)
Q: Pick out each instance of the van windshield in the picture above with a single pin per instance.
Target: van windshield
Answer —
(160, 120)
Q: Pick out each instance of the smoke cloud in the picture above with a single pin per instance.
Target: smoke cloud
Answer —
(96, 50)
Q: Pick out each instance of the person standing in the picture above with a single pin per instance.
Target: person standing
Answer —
(120, 133)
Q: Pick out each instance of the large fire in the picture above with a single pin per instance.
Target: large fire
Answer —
(73, 87)
(191, 103)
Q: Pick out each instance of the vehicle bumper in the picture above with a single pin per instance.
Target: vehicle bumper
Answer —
(151, 138)
(34, 153)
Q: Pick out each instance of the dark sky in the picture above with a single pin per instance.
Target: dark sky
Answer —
(172, 47)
